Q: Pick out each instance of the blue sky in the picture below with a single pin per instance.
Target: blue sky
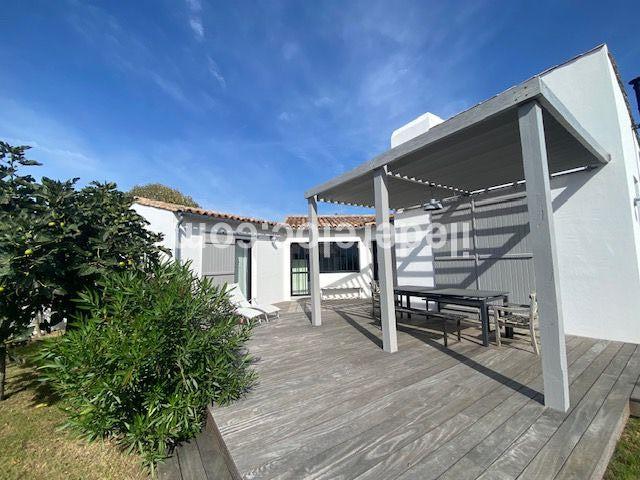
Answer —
(245, 105)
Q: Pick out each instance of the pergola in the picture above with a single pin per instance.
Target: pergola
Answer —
(524, 133)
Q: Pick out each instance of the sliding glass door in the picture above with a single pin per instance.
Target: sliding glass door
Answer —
(299, 269)
(242, 271)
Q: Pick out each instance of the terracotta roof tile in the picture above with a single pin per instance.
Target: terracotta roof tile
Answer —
(294, 221)
(331, 221)
(172, 207)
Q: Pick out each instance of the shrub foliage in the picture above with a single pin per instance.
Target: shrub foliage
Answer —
(157, 191)
(56, 240)
(146, 357)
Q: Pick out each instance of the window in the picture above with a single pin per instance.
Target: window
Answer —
(335, 258)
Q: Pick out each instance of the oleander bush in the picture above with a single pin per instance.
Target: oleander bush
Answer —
(149, 352)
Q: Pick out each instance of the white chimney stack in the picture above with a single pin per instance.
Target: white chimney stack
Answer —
(414, 128)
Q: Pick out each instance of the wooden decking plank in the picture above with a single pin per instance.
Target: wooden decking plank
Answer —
(342, 421)
(169, 469)
(359, 453)
(346, 365)
(344, 418)
(326, 394)
(634, 401)
(522, 451)
(551, 457)
(211, 455)
(330, 389)
(391, 387)
(511, 421)
(433, 453)
(591, 454)
(190, 461)
(347, 344)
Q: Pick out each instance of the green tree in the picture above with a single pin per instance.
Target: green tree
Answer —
(18, 209)
(56, 241)
(157, 191)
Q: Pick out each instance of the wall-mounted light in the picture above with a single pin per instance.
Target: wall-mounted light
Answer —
(432, 205)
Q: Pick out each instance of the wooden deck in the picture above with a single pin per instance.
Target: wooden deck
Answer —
(331, 404)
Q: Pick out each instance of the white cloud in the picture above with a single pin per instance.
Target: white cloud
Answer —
(215, 72)
(323, 101)
(195, 18)
(196, 25)
(285, 116)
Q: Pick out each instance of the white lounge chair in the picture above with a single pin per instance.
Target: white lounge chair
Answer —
(251, 314)
(240, 301)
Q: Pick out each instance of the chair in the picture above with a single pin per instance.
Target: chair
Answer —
(247, 308)
(375, 298)
(517, 316)
(251, 314)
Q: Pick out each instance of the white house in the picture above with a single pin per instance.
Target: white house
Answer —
(268, 259)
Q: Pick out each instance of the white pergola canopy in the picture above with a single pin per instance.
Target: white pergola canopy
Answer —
(523, 134)
(475, 150)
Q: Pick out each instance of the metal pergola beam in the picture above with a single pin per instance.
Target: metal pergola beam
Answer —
(483, 111)
(314, 263)
(533, 89)
(545, 260)
(385, 267)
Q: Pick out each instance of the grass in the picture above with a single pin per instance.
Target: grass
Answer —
(625, 462)
(33, 447)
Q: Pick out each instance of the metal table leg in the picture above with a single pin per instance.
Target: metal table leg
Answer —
(508, 331)
(484, 318)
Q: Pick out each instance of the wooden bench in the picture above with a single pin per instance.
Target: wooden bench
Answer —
(445, 317)
(331, 290)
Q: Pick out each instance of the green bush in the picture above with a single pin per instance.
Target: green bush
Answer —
(147, 356)
(56, 241)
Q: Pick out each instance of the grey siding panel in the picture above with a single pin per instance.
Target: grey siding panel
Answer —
(218, 263)
(455, 273)
(501, 244)
(456, 218)
(512, 274)
(502, 228)
(221, 279)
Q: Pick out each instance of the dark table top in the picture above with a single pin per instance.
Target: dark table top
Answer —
(449, 292)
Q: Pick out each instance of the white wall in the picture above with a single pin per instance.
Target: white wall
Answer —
(597, 230)
(361, 279)
(268, 271)
(160, 221)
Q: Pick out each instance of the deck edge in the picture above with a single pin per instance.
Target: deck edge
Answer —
(224, 450)
(610, 444)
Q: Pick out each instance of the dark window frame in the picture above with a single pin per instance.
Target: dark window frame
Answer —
(340, 259)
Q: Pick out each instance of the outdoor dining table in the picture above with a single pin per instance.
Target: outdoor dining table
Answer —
(480, 299)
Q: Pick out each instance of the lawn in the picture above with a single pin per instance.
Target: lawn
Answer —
(625, 462)
(34, 448)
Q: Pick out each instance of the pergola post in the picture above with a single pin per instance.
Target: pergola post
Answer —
(543, 242)
(314, 263)
(385, 270)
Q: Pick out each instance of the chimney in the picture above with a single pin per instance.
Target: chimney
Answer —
(414, 128)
